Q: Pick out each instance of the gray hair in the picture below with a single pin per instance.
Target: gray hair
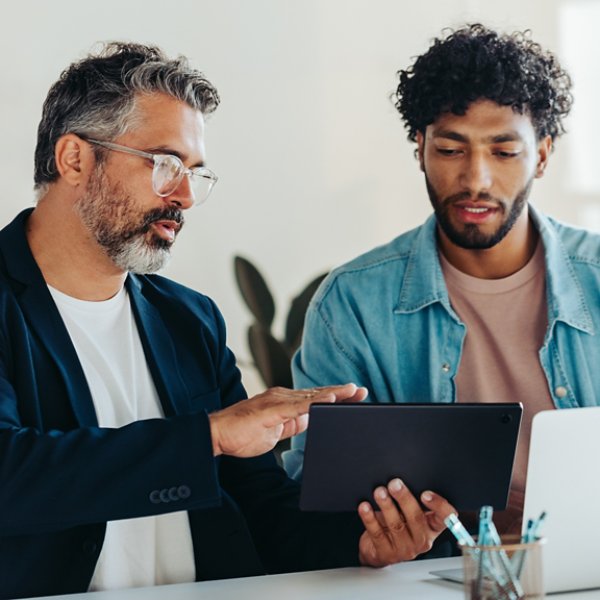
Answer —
(96, 98)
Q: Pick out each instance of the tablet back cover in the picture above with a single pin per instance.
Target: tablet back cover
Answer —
(464, 452)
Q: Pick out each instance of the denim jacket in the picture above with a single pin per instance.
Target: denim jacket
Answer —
(384, 321)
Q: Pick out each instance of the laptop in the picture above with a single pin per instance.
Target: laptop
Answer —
(464, 452)
(563, 479)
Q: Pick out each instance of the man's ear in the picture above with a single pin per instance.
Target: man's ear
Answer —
(419, 152)
(74, 158)
(544, 151)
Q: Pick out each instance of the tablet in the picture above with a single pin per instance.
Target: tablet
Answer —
(464, 452)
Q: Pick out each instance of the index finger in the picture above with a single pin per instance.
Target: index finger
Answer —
(348, 392)
(284, 404)
(296, 403)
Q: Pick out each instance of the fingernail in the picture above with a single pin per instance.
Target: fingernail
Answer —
(381, 493)
(396, 485)
(427, 496)
(364, 507)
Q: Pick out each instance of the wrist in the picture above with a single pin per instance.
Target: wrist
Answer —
(214, 434)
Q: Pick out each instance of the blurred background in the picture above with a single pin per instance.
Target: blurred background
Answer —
(313, 160)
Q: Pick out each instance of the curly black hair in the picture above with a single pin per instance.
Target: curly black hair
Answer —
(474, 63)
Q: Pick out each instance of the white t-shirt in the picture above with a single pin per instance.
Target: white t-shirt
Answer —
(136, 552)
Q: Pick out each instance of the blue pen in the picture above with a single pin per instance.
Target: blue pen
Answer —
(530, 535)
(458, 530)
(485, 515)
(485, 518)
(527, 535)
(518, 558)
(464, 537)
(536, 525)
(509, 583)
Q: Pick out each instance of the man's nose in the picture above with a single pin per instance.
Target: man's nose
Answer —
(183, 196)
(477, 174)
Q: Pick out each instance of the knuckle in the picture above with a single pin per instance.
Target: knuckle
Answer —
(422, 543)
(397, 526)
(378, 535)
(410, 552)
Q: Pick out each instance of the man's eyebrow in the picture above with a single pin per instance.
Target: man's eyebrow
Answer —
(449, 134)
(509, 136)
(169, 150)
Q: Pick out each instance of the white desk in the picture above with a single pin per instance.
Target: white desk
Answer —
(407, 581)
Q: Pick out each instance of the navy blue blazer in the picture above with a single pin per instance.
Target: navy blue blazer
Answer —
(62, 477)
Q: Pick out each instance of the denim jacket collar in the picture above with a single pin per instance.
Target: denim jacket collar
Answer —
(564, 293)
(424, 283)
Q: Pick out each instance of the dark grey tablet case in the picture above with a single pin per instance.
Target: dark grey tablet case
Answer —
(464, 452)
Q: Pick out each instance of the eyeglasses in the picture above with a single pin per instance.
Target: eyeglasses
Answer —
(169, 171)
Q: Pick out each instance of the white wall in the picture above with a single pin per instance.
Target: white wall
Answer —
(313, 160)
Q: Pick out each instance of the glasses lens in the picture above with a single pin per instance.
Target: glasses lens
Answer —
(202, 185)
(167, 173)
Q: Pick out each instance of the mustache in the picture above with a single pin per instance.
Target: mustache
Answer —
(484, 196)
(169, 213)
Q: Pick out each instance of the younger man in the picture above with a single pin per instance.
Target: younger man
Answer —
(489, 300)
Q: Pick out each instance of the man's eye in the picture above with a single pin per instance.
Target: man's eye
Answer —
(448, 151)
(506, 154)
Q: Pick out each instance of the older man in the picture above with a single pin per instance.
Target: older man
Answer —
(129, 454)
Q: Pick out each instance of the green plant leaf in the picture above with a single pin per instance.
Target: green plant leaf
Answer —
(295, 318)
(255, 291)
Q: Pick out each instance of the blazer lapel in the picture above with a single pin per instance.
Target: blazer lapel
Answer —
(159, 350)
(40, 311)
(44, 318)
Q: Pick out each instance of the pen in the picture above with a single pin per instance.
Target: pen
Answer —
(530, 535)
(518, 558)
(485, 515)
(527, 535)
(508, 581)
(536, 525)
(485, 518)
(458, 530)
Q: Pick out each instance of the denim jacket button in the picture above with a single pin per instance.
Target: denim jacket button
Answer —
(446, 368)
(560, 391)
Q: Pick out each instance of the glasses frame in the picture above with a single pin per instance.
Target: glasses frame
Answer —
(203, 172)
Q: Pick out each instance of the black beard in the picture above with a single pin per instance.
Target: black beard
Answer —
(471, 238)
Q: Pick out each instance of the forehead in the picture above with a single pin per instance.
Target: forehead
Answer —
(484, 121)
(159, 119)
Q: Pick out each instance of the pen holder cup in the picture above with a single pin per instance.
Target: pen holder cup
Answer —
(510, 571)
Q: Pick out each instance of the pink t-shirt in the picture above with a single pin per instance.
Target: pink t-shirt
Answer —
(506, 321)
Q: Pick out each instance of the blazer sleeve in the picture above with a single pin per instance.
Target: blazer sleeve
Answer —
(54, 479)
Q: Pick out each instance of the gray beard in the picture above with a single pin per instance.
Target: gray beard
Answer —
(136, 256)
(101, 207)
